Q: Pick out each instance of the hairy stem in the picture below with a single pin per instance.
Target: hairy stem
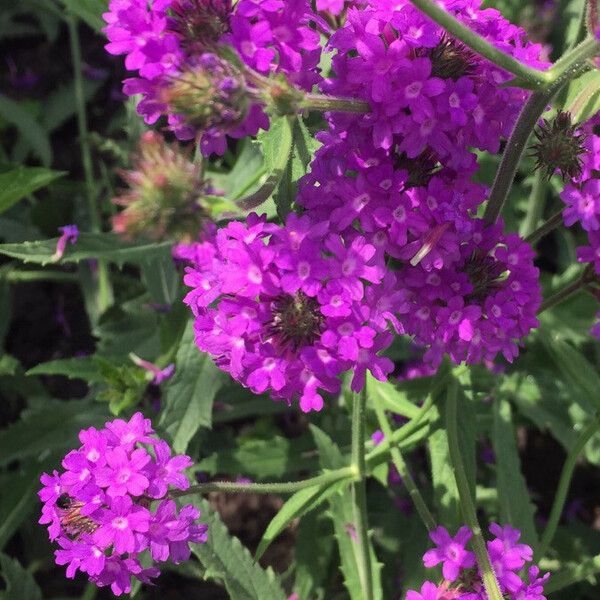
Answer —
(323, 103)
(545, 228)
(466, 501)
(105, 295)
(473, 40)
(289, 487)
(584, 279)
(402, 468)
(564, 483)
(359, 495)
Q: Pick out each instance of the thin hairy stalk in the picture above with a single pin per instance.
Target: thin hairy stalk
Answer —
(322, 103)
(571, 65)
(564, 484)
(402, 468)
(359, 495)
(467, 503)
(105, 295)
(569, 290)
(535, 204)
(545, 228)
(473, 40)
(288, 487)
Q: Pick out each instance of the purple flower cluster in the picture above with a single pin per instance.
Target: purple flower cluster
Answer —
(289, 309)
(461, 579)
(428, 93)
(174, 47)
(99, 512)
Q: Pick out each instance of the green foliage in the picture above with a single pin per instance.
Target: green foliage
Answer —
(20, 182)
(224, 559)
(20, 584)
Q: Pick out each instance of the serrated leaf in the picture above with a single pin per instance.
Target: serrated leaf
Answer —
(513, 495)
(226, 560)
(20, 584)
(189, 395)
(391, 398)
(85, 368)
(53, 426)
(303, 148)
(89, 246)
(276, 145)
(299, 504)
(29, 128)
(22, 181)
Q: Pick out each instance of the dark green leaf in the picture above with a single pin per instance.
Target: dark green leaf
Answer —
(515, 506)
(89, 11)
(189, 395)
(224, 559)
(85, 368)
(89, 245)
(22, 181)
(20, 584)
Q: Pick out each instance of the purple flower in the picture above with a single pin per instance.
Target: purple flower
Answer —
(95, 513)
(70, 234)
(450, 551)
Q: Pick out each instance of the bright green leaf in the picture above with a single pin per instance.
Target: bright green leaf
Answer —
(85, 368)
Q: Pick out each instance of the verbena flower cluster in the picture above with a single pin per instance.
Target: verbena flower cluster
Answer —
(100, 510)
(461, 579)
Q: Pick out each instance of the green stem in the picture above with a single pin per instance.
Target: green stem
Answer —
(535, 205)
(32, 276)
(545, 228)
(359, 495)
(322, 103)
(105, 295)
(586, 277)
(571, 65)
(480, 45)
(564, 483)
(402, 468)
(289, 487)
(466, 501)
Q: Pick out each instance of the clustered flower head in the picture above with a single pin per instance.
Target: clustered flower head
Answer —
(111, 504)
(166, 195)
(177, 49)
(461, 578)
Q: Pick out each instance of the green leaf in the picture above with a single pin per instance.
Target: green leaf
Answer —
(20, 584)
(30, 130)
(575, 368)
(227, 561)
(341, 513)
(304, 146)
(276, 145)
(53, 426)
(583, 98)
(161, 279)
(515, 506)
(89, 245)
(312, 556)
(85, 368)
(299, 504)
(391, 398)
(60, 105)
(22, 181)
(189, 395)
(89, 11)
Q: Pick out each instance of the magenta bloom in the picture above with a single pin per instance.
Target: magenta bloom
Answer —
(450, 551)
(100, 512)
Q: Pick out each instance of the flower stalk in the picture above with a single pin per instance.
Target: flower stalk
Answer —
(581, 282)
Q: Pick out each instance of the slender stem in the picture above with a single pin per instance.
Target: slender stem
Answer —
(32, 276)
(105, 295)
(480, 45)
(402, 468)
(564, 483)
(323, 103)
(289, 487)
(586, 277)
(466, 501)
(545, 228)
(359, 495)
(571, 65)
(535, 205)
